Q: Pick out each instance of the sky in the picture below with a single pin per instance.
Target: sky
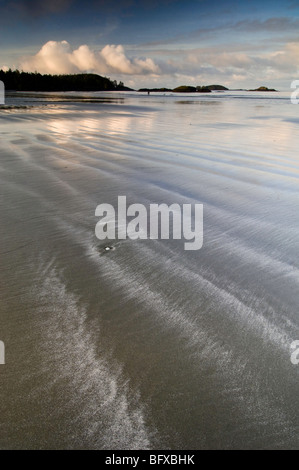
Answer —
(157, 43)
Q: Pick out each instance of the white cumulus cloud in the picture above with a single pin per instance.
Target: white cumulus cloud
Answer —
(57, 57)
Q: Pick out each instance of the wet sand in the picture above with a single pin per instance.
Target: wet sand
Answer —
(149, 346)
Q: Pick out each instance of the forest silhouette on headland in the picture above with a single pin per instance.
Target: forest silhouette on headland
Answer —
(24, 81)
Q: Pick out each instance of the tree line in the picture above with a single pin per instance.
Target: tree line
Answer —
(24, 81)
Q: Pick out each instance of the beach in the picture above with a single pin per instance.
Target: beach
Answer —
(149, 346)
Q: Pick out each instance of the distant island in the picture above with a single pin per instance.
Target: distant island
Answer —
(155, 90)
(263, 88)
(199, 89)
(186, 89)
(23, 81)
